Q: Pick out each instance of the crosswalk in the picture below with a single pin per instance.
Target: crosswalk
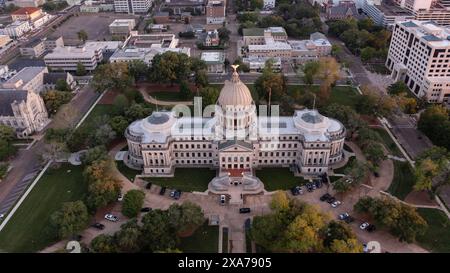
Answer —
(18, 190)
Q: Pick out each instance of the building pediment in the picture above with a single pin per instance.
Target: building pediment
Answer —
(235, 146)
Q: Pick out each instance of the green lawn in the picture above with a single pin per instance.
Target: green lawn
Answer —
(167, 96)
(279, 179)
(98, 111)
(349, 165)
(403, 181)
(186, 179)
(28, 230)
(127, 172)
(388, 142)
(204, 240)
(437, 237)
(345, 95)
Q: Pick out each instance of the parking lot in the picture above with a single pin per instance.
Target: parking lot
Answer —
(95, 25)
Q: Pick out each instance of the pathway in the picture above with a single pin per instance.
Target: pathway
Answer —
(152, 100)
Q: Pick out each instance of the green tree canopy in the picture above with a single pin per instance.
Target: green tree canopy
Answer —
(72, 218)
(132, 203)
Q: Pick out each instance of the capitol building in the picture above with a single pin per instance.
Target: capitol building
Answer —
(234, 140)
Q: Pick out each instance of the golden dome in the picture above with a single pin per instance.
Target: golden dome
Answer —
(235, 92)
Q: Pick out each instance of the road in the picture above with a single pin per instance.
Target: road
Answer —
(28, 162)
(403, 127)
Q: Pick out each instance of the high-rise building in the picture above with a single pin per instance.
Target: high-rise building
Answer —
(132, 6)
(419, 55)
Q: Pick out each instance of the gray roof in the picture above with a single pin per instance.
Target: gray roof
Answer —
(312, 117)
(409, 24)
(26, 74)
(344, 9)
(229, 143)
(431, 38)
(158, 118)
(7, 97)
(53, 77)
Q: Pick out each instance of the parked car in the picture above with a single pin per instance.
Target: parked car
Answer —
(376, 174)
(371, 228)
(148, 186)
(336, 204)
(146, 209)
(223, 199)
(98, 226)
(318, 184)
(325, 197)
(2, 216)
(364, 225)
(244, 210)
(162, 191)
(296, 190)
(331, 200)
(120, 198)
(111, 217)
(343, 216)
(177, 195)
(349, 220)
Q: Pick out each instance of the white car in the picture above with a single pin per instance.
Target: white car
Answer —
(336, 204)
(364, 225)
(2, 216)
(111, 217)
(120, 198)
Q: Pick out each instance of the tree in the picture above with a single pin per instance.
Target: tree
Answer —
(6, 149)
(81, 70)
(70, 219)
(112, 76)
(103, 135)
(53, 99)
(209, 95)
(185, 91)
(280, 201)
(402, 220)
(374, 151)
(339, 238)
(368, 53)
(119, 124)
(132, 203)
(82, 35)
(310, 69)
(170, 67)
(270, 85)
(224, 35)
(201, 79)
(185, 218)
(128, 238)
(103, 188)
(137, 111)
(121, 103)
(296, 227)
(7, 133)
(61, 85)
(432, 170)
(435, 124)
(94, 154)
(157, 234)
(104, 243)
(138, 69)
(397, 88)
